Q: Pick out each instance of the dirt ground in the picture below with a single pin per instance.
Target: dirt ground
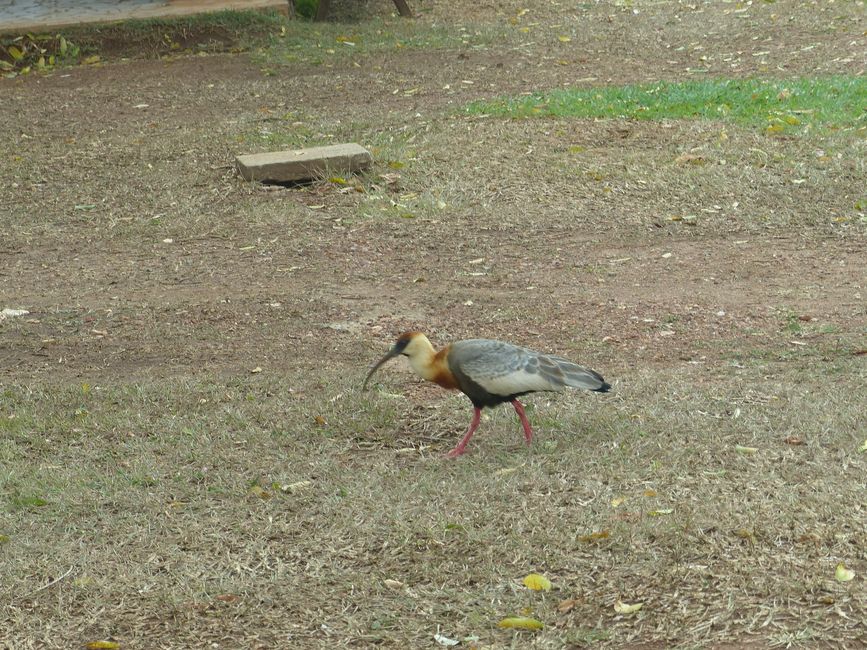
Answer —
(152, 271)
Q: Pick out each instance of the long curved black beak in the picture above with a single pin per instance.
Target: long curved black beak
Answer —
(394, 352)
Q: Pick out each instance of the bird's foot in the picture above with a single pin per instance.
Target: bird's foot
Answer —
(457, 451)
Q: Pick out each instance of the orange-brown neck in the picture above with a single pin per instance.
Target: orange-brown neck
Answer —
(443, 376)
(429, 364)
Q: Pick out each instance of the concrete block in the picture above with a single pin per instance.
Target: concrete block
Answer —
(304, 164)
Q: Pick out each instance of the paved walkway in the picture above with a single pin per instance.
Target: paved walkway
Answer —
(48, 15)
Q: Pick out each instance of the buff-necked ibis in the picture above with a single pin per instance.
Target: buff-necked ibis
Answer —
(490, 373)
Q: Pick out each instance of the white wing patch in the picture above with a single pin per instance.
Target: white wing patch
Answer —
(517, 381)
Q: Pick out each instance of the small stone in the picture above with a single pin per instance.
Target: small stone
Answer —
(303, 164)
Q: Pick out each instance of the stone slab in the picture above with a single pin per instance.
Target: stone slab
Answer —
(304, 164)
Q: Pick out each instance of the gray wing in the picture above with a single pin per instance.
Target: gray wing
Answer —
(505, 369)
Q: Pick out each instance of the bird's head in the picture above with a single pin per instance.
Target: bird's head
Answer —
(408, 344)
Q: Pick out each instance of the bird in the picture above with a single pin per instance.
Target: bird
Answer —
(490, 372)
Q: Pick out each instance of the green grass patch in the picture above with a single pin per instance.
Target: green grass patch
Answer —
(827, 102)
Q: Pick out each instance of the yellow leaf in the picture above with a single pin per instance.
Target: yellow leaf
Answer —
(15, 53)
(617, 502)
(321, 421)
(624, 608)
(843, 574)
(521, 623)
(93, 58)
(537, 582)
(564, 39)
(660, 512)
(258, 491)
(792, 120)
(595, 536)
(775, 128)
(863, 447)
(395, 164)
(523, 12)
(337, 180)
(744, 533)
(102, 645)
(746, 450)
(650, 493)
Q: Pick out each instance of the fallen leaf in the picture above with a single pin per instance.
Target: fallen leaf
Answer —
(228, 598)
(567, 605)
(624, 608)
(650, 493)
(321, 421)
(521, 623)
(293, 488)
(12, 313)
(689, 158)
(843, 574)
(617, 501)
(93, 58)
(393, 584)
(564, 39)
(863, 447)
(102, 645)
(660, 512)
(445, 641)
(255, 370)
(258, 491)
(537, 582)
(594, 537)
(745, 450)
(793, 440)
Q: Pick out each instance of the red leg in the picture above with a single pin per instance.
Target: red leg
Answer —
(461, 448)
(528, 431)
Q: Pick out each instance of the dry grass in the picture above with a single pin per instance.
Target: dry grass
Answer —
(155, 491)
(148, 497)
